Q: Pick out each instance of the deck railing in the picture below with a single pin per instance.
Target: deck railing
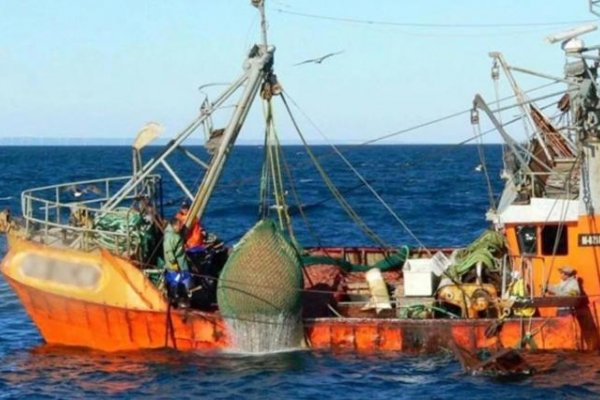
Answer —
(68, 213)
(564, 180)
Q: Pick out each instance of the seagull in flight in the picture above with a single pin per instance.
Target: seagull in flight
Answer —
(319, 60)
(79, 191)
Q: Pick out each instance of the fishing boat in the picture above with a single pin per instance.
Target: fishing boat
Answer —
(89, 267)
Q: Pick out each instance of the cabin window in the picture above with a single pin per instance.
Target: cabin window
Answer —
(554, 237)
(527, 238)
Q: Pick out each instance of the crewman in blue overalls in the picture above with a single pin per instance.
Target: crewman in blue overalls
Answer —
(177, 274)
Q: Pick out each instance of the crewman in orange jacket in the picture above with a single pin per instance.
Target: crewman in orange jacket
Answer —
(194, 239)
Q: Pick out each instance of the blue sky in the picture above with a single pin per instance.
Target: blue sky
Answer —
(103, 68)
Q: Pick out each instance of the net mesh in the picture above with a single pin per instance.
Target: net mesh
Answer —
(135, 232)
(263, 275)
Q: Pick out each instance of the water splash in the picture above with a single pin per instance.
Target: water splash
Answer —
(260, 334)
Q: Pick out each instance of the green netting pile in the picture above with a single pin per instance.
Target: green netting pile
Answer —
(486, 249)
(395, 260)
(263, 275)
(136, 232)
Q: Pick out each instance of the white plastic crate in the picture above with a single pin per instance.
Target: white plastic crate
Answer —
(418, 277)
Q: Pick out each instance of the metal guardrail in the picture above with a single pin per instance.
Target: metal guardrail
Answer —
(566, 177)
(50, 212)
(526, 260)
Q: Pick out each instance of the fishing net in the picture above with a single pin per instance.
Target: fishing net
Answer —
(486, 249)
(392, 261)
(263, 275)
(123, 231)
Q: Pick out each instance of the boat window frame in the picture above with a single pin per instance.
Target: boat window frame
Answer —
(520, 241)
(563, 247)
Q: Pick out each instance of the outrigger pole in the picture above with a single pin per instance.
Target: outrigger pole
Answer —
(147, 169)
(257, 65)
(479, 103)
(521, 100)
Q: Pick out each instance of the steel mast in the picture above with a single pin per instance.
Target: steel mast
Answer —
(585, 107)
(258, 65)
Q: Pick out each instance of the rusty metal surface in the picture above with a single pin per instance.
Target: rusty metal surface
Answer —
(428, 336)
(552, 301)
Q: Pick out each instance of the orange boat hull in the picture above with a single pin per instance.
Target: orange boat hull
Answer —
(108, 304)
(72, 322)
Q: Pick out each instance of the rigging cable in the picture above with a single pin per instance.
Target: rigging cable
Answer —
(265, 183)
(331, 186)
(421, 125)
(492, 29)
(477, 136)
(282, 205)
(363, 180)
(302, 209)
(272, 164)
(463, 112)
(264, 196)
(482, 160)
(272, 150)
(436, 154)
(431, 25)
(299, 206)
(563, 215)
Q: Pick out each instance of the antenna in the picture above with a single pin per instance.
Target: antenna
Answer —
(260, 4)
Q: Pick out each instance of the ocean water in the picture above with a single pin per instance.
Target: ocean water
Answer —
(435, 190)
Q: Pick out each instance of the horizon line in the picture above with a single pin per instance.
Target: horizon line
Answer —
(245, 144)
(117, 142)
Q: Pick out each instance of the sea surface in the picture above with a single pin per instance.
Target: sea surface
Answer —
(435, 190)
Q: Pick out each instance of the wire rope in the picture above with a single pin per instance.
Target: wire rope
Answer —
(363, 180)
(331, 186)
(482, 160)
(431, 25)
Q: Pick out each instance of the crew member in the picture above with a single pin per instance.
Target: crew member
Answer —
(177, 274)
(194, 239)
(519, 290)
(204, 261)
(567, 287)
